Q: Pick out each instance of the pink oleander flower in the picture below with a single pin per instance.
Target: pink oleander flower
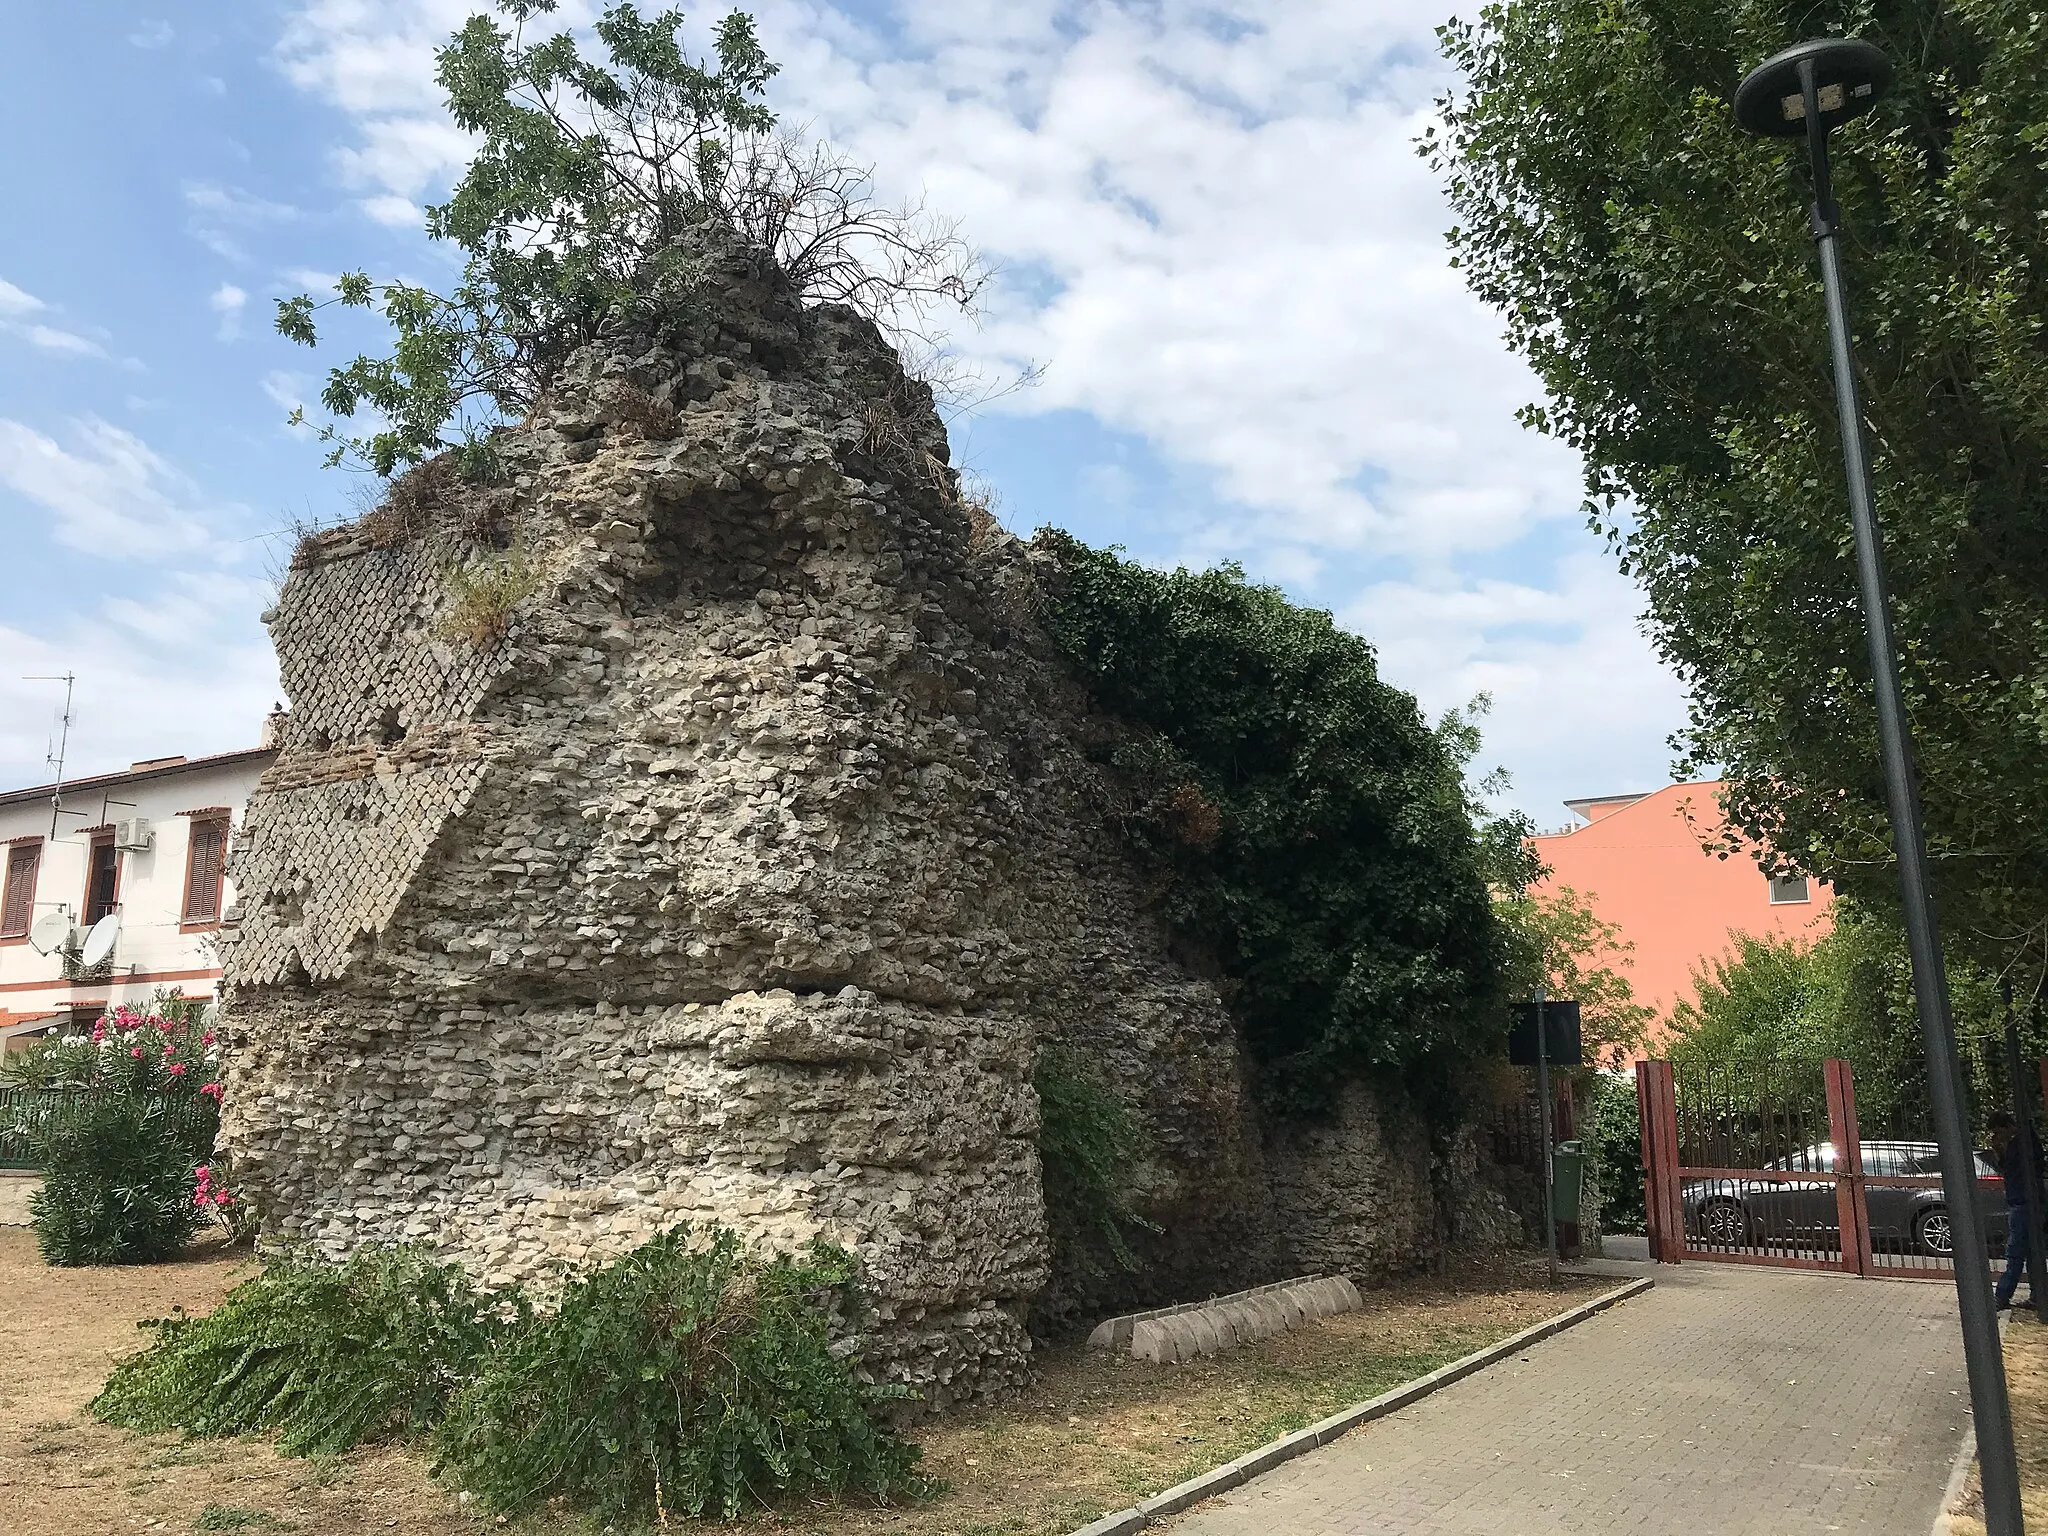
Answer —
(207, 1038)
(99, 1032)
(177, 1069)
(212, 1090)
(134, 1050)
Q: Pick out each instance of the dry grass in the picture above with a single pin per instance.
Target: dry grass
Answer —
(1093, 1435)
(2026, 1372)
(60, 1332)
(482, 597)
(1098, 1433)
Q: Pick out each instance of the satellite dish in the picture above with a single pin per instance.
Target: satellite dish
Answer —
(50, 933)
(100, 942)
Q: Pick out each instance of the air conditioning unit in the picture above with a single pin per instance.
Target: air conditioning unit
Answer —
(134, 835)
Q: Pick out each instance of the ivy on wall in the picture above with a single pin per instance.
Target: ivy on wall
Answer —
(1310, 831)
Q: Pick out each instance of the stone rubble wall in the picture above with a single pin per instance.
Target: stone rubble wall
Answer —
(741, 880)
(1353, 1193)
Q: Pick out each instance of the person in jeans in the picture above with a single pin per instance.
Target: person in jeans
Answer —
(2012, 1146)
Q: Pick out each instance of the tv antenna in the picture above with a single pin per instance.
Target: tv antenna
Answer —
(55, 756)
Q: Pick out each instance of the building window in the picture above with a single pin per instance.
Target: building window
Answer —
(102, 878)
(1787, 889)
(18, 896)
(206, 857)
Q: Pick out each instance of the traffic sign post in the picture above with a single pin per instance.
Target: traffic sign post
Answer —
(1546, 1031)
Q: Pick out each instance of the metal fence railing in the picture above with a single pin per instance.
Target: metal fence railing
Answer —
(1773, 1162)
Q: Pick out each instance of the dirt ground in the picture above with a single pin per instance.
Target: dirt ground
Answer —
(1095, 1434)
(2026, 1373)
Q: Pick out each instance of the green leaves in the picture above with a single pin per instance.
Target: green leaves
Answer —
(1311, 831)
(584, 175)
(295, 320)
(117, 1175)
(329, 1356)
(1652, 263)
(1556, 941)
(686, 1378)
(1089, 1150)
(603, 199)
(1849, 994)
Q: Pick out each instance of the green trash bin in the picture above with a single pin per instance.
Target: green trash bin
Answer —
(1567, 1173)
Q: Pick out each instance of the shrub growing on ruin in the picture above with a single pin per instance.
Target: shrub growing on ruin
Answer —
(1090, 1146)
(599, 198)
(1311, 831)
(482, 596)
(686, 1378)
(328, 1356)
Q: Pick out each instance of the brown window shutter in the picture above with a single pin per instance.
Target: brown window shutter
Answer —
(203, 868)
(17, 905)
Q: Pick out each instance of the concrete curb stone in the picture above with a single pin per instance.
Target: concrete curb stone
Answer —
(1232, 1473)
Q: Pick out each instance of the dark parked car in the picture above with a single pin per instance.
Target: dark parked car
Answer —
(1752, 1213)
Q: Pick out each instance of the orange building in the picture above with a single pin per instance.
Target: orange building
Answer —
(1640, 862)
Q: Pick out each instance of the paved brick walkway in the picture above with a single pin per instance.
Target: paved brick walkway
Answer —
(1729, 1401)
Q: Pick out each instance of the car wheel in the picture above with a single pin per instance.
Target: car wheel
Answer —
(1931, 1234)
(1724, 1224)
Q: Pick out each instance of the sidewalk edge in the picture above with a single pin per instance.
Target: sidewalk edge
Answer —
(1254, 1463)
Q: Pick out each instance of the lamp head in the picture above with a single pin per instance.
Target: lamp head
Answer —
(1848, 75)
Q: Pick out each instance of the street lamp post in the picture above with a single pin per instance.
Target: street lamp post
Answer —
(1803, 93)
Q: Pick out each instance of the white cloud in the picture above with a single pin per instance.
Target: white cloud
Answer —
(1224, 243)
(227, 301)
(222, 217)
(1244, 251)
(405, 155)
(375, 60)
(68, 343)
(15, 302)
(1581, 704)
(110, 493)
(178, 665)
(394, 211)
(288, 391)
(152, 34)
(1240, 254)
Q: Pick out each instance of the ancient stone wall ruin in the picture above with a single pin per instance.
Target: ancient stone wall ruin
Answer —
(734, 868)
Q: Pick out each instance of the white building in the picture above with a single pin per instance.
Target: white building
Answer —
(148, 846)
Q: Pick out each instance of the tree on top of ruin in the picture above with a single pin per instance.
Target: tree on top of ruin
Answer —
(597, 201)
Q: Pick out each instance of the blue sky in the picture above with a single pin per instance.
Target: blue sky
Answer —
(1217, 243)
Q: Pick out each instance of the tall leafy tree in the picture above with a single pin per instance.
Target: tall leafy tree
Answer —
(1848, 994)
(1653, 265)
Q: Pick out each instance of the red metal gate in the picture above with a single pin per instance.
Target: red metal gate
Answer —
(1765, 1163)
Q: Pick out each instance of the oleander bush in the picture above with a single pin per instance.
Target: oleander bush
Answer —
(119, 1119)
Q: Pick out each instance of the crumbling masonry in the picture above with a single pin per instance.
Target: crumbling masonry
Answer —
(698, 824)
